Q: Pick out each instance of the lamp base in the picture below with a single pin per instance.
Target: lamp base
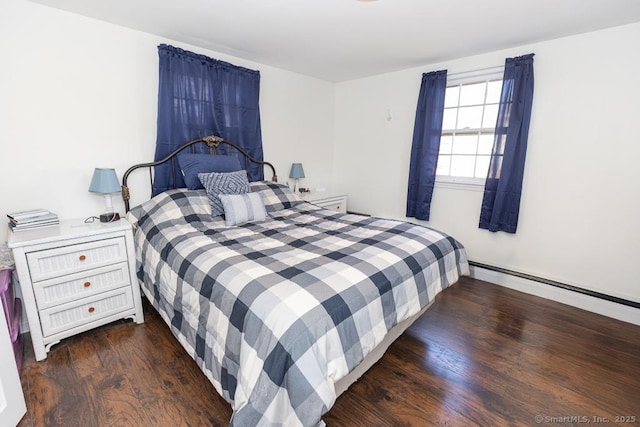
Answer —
(109, 217)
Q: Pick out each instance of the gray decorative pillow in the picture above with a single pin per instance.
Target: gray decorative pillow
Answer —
(243, 208)
(217, 183)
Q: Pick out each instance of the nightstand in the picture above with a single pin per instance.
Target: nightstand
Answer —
(334, 201)
(75, 277)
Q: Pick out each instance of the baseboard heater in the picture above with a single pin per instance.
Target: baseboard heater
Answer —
(550, 282)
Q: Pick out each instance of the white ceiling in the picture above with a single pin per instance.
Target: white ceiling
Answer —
(339, 40)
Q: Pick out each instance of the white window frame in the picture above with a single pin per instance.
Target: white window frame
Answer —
(454, 79)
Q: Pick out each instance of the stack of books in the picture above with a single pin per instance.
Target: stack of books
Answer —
(30, 220)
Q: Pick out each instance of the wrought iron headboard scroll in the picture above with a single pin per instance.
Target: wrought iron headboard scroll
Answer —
(211, 141)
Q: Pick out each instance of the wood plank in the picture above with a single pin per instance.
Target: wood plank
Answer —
(57, 395)
(109, 387)
(481, 355)
(205, 405)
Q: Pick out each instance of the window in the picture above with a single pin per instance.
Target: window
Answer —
(468, 127)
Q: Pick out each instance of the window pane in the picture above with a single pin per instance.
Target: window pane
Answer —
(472, 94)
(467, 140)
(445, 144)
(462, 166)
(469, 117)
(493, 91)
(443, 165)
(485, 143)
(482, 166)
(451, 96)
(465, 144)
(449, 118)
(490, 116)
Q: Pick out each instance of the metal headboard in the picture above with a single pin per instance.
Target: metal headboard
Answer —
(212, 142)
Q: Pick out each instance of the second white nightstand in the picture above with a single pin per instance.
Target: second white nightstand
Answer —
(334, 201)
(75, 277)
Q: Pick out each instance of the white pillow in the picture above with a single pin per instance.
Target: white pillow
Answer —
(242, 208)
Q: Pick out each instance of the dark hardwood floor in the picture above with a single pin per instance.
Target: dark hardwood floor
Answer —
(481, 355)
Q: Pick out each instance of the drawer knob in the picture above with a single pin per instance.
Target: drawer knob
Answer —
(92, 309)
(87, 284)
(82, 257)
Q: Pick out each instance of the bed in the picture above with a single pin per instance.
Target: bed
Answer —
(282, 314)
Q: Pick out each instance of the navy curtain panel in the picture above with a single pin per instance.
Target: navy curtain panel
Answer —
(200, 96)
(503, 188)
(426, 143)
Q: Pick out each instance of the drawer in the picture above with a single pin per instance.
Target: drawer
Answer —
(66, 316)
(337, 206)
(56, 262)
(73, 287)
(334, 205)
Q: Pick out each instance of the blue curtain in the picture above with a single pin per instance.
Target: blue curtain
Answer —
(200, 96)
(426, 143)
(503, 188)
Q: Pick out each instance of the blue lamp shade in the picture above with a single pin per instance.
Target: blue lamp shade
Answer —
(104, 181)
(296, 171)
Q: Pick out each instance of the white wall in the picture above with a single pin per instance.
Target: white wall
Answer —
(580, 212)
(78, 93)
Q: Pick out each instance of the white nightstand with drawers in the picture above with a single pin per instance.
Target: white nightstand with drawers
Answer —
(334, 201)
(75, 277)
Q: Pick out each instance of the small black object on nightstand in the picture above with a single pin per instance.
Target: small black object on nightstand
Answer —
(109, 217)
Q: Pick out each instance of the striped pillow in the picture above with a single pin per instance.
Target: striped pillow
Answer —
(243, 208)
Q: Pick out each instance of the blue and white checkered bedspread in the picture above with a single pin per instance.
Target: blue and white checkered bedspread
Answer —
(276, 312)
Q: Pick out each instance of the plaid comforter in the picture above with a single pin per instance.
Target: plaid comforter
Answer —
(276, 312)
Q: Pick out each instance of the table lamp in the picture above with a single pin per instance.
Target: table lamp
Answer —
(296, 172)
(105, 182)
